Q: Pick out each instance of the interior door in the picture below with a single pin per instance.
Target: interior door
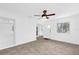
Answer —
(6, 35)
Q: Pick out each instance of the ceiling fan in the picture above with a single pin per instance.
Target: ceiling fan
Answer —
(45, 14)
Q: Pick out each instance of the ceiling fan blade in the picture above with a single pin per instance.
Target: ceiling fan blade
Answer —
(51, 14)
(37, 15)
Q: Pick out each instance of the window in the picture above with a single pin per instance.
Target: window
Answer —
(63, 27)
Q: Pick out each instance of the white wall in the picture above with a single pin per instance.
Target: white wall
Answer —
(72, 36)
(25, 29)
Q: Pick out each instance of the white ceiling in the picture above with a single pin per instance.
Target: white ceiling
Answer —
(29, 9)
